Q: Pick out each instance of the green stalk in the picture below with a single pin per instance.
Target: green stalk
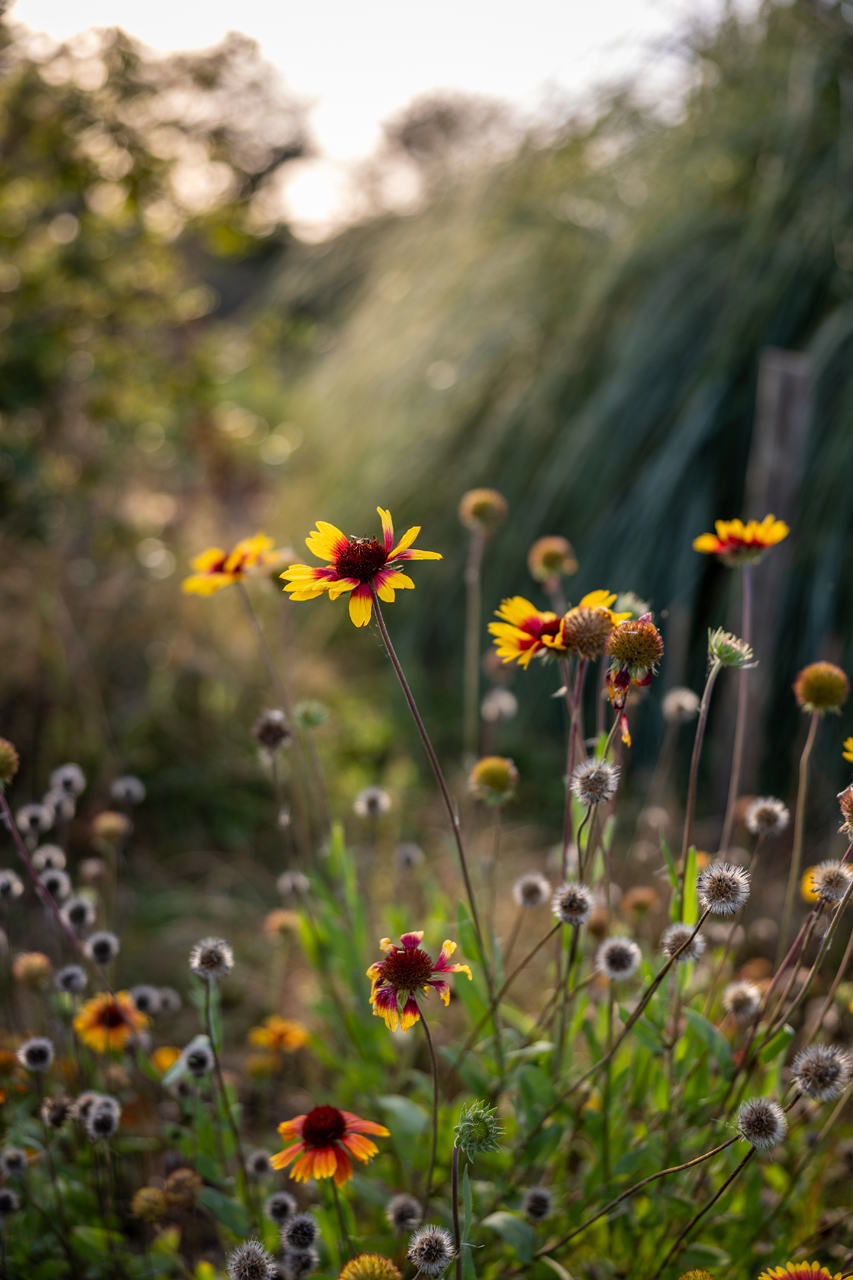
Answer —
(799, 829)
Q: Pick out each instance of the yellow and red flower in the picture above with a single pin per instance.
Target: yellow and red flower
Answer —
(405, 970)
(280, 1035)
(738, 543)
(215, 568)
(325, 1140)
(106, 1022)
(799, 1271)
(355, 565)
(525, 632)
(847, 749)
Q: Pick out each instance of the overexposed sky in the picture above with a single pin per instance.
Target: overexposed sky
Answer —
(355, 62)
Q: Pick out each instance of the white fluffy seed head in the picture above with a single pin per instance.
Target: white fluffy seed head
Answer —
(102, 947)
(767, 816)
(831, 880)
(741, 1000)
(595, 781)
(280, 1206)
(680, 705)
(723, 888)
(617, 958)
(537, 1204)
(431, 1250)
(372, 802)
(211, 959)
(572, 903)
(250, 1261)
(762, 1122)
(36, 1054)
(403, 1212)
(822, 1071)
(675, 937)
(531, 890)
(71, 979)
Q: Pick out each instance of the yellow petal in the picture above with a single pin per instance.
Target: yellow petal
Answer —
(360, 609)
(406, 540)
(597, 600)
(325, 541)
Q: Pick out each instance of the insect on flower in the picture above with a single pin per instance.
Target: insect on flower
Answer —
(356, 565)
(215, 568)
(325, 1140)
(404, 971)
(737, 543)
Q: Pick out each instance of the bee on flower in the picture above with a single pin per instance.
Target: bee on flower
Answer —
(215, 568)
(356, 565)
(736, 543)
(404, 971)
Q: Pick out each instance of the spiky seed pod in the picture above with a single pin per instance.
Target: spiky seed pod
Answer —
(431, 1250)
(183, 1188)
(57, 883)
(370, 1266)
(821, 687)
(199, 1060)
(211, 959)
(13, 1161)
(9, 762)
(408, 856)
(300, 1232)
(102, 947)
(617, 958)
(762, 1122)
(279, 1207)
(36, 1054)
(146, 999)
(822, 1071)
(680, 705)
(696, 1275)
(250, 1261)
(741, 1000)
(78, 914)
(48, 856)
(11, 885)
(478, 1129)
(258, 1164)
(635, 646)
(538, 1204)
(595, 781)
(767, 816)
(149, 1204)
(9, 1202)
(482, 509)
(403, 1213)
(727, 649)
(34, 819)
(572, 903)
(292, 883)
(170, 1001)
(845, 801)
(271, 730)
(128, 790)
(103, 1118)
(585, 631)
(723, 888)
(831, 880)
(69, 778)
(57, 1110)
(531, 890)
(298, 1263)
(551, 557)
(71, 979)
(372, 802)
(493, 779)
(674, 938)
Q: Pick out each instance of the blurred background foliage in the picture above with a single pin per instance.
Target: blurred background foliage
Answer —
(572, 314)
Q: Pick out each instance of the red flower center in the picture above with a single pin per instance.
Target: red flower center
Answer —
(407, 970)
(362, 558)
(323, 1126)
(111, 1016)
(541, 626)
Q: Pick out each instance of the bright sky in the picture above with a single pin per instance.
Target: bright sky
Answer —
(356, 63)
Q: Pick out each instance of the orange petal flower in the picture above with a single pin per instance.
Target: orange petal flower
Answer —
(326, 1138)
(106, 1023)
(737, 543)
(280, 1035)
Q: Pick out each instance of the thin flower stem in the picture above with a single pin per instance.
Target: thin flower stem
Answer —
(434, 1061)
(606, 1099)
(345, 1237)
(471, 717)
(701, 1214)
(454, 1203)
(837, 980)
(564, 999)
(742, 708)
(799, 828)
(581, 859)
(572, 703)
(716, 668)
(709, 1000)
(513, 937)
(242, 1183)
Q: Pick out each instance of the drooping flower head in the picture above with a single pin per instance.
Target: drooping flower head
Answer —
(355, 565)
(799, 1271)
(845, 802)
(737, 543)
(822, 687)
(673, 942)
(493, 779)
(106, 1023)
(406, 970)
(730, 650)
(550, 558)
(215, 568)
(325, 1138)
(767, 816)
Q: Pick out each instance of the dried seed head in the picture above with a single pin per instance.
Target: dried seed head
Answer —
(370, 1266)
(69, 778)
(128, 790)
(617, 958)
(585, 631)
(298, 1263)
(407, 856)
(822, 1071)
(149, 1204)
(198, 1060)
(258, 1164)
(9, 761)
(431, 1250)
(762, 1122)
(36, 1054)
(831, 880)
(102, 1118)
(71, 979)
(78, 914)
(595, 781)
(279, 1207)
(57, 1110)
(372, 802)
(723, 888)
(767, 816)
(183, 1188)
(403, 1213)
(84, 1103)
(551, 557)
(498, 704)
(741, 1000)
(47, 856)
(102, 947)
(170, 1001)
(845, 801)
(478, 1129)
(822, 687)
(271, 730)
(211, 959)
(635, 646)
(493, 779)
(61, 803)
(146, 999)
(32, 968)
(9, 1202)
(34, 819)
(482, 509)
(300, 1232)
(729, 650)
(13, 1161)
(250, 1261)
(292, 883)
(680, 705)
(108, 827)
(531, 890)
(538, 1204)
(57, 883)
(92, 870)
(572, 903)
(11, 885)
(673, 942)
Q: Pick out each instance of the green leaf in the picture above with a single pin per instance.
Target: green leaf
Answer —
(777, 1044)
(467, 934)
(517, 1233)
(94, 1242)
(555, 1266)
(407, 1118)
(716, 1042)
(670, 864)
(469, 1205)
(468, 1272)
(229, 1212)
(646, 1033)
(690, 913)
(706, 1253)
(536, 1092)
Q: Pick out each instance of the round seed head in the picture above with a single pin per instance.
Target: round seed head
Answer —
(149, 1204)
(673, 940)
(102, 947)
(431, 1250)
(482, 509)
(279, 1207)
(9, 1202)
(408, 856)
(146, 999)
(538, 1204)
(34, 819)
(762, 1122)
(84, 1103)
(831, 880)
(531, 890)
(36, 1054)
(108, 827)
(71, 979)
(551, 557)
(822, 1071)
(635, 646)
(211, 959)
(32, 968)
(92, 869)
(78, 914)
(572, 903)
(13, 1161)
(11, 885)
(299, 1232)
(723, 888)
(61, 803)
(372, 802)
(170, 1001)
(198, 1060)
(741, 1000)
(102, 1118)
(128, 790)
(370, 1266)
(250, 1261)
(69, 778)
(767, 816)
(298, 1263)
(595, 781)
(183, 1188)
(48, 856)
(56, 1110)
(493, 779)
(821, 686)
(292, 883)
(585, 631)
(478, 1129)
(9, 761)
(57, 883)
(498, 704)
(680, 705)
(403, 1213)
(617, 958)
(271, 730)
(258, 1164)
